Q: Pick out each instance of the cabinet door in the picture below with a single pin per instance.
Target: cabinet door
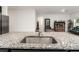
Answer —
(5, 24)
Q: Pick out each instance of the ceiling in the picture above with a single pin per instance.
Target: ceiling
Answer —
(49, 9)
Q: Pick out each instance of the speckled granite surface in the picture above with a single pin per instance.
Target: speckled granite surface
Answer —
(65, 40)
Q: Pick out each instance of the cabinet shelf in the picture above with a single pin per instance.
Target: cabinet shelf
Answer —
(59, 26)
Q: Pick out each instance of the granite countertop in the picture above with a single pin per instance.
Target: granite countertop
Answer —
(65, 40)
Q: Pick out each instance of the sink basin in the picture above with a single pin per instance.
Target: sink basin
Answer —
(39, 40)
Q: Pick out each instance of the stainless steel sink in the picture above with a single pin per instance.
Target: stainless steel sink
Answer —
(39, 40)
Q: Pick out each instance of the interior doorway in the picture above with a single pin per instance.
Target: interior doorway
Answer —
(47, 24)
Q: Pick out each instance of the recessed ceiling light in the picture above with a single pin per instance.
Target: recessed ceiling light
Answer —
(63, 10)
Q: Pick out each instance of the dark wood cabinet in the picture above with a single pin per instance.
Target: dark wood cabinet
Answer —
(59, 26)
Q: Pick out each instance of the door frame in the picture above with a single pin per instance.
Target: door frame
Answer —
(45, 23)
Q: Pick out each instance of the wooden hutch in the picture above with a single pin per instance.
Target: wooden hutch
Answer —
(59, 26)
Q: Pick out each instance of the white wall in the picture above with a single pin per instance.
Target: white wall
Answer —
(22, 20)
(56, 17)
(41, 24)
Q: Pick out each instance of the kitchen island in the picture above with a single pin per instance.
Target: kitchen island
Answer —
(65, 42)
